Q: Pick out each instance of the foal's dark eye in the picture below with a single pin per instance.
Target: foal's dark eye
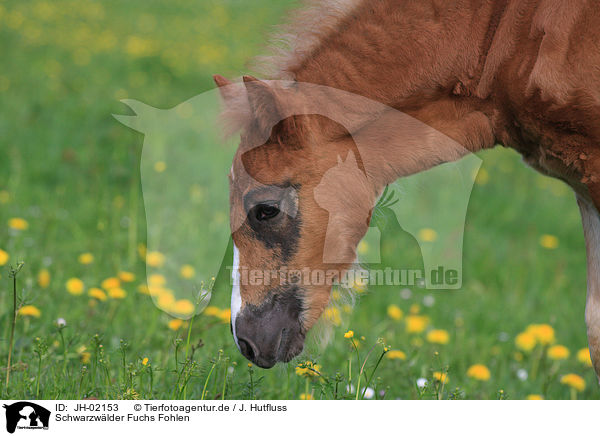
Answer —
(264, 212)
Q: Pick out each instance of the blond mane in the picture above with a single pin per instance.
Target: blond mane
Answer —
(295, 40)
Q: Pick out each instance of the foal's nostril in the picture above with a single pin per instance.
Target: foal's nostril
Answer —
(248, 349)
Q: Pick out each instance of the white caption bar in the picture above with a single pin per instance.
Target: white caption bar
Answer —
(298, 417)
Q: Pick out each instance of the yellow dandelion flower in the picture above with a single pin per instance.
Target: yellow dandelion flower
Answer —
(18, 224)
(225, 316)
(332, 314)
(427, 235)
(4, 257)
(396, 355)
(110, 283)
(395, 312)
(482, 177)
(145, 361)
(160, 166)
(549, 242)
(438, 336)
(518, 356)
(544, 333)
(583, 356)
(75, 286)
(85, 258)
(534, 397)
(574, 381)
(141, 249)
(175, 324)
(97, 293)
(126, 276)
(183, 307)
(157, 291)
(479, 372)
(156, 280)
(155, 259)
(143, 289)
(416, 323)
(85, 357)
(165, 301)
(442, 377)
(30, 310)
(138, 47)
(363, 247)
(525, 341)
(349, 334)
(44, 278)
(308, 369)
(304, 396)
(558, 352)
(212, 311)
(117, 293)
(118, 201)
(360, 284)
(187, 272)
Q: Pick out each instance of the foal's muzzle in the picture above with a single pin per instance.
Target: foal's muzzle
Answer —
(271, 332)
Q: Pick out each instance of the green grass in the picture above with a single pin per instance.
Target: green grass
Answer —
(66, 168)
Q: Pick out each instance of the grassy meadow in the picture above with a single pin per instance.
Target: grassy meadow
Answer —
(71, 209)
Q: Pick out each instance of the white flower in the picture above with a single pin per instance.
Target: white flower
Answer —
(421, 382)
(60, 322)
(503, 337)
(230, 370)
(522, 374)
(428, 300)
(350, 388)
(405, 293)
(368, 393)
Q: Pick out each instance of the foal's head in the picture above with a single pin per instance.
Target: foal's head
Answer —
(300, 203)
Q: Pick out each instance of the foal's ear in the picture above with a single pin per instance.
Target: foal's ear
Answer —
(227, 92)
(267, 108)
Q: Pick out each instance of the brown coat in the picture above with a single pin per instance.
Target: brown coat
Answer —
(524, 74)
(521, 73)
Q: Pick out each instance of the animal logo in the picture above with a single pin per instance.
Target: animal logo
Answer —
(187, 205)
(26, 415)
(296, 216)
(435, 200)
(185, 195)
(338, 250)
(394, 242)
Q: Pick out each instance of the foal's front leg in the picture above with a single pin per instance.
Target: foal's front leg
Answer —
(591, 231)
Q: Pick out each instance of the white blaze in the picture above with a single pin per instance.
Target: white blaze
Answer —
(236, 298)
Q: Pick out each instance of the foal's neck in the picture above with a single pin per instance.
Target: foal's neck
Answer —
(417, 58)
